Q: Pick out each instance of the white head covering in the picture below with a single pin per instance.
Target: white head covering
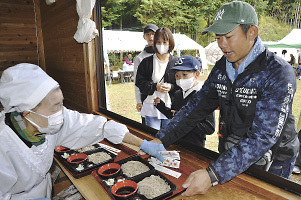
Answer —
(24, 86)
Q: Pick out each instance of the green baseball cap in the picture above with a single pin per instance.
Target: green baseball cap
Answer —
(231, 15)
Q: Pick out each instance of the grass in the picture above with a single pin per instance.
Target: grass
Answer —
(122, 101)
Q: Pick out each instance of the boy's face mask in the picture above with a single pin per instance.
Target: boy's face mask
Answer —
(185, 84)
(55, 122)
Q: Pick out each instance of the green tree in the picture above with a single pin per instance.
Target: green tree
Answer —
(288, 11)
(117, 12)
(271, 29)
(191, 17)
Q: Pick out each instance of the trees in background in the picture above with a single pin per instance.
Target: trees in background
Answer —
(190, 17)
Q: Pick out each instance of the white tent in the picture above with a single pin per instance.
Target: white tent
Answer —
(290, 44)
(280, 51)
(213, 53)
(123, 41)
(292, 40)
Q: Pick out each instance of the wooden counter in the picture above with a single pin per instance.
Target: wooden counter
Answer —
(241, 187)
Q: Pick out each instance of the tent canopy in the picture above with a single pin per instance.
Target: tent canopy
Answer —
(124, 41)
(292, 40)
(213, 53)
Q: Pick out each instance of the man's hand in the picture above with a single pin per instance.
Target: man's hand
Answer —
(139, 106)
(197, 183)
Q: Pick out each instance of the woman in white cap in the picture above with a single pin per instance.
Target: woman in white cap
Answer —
(34, 121)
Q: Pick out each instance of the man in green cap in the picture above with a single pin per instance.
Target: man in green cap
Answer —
(254, 90)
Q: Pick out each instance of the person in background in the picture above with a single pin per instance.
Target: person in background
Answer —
(299, 57)
(34, 121)
(187, 71)
(284, 51)
(254, 90)
(298, 70)
(292, 60)
(148, 34)
(128, 59)
(198, 58)
(297, 167)
(155, 78)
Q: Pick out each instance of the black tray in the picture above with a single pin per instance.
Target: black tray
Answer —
(138, 178)
(162, 196)
(96, 148)
(136, 158)
(88, 165)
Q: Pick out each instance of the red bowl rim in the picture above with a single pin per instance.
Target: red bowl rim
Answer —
(62, 149)
(75, 156)
(108, 166)
(124, 183)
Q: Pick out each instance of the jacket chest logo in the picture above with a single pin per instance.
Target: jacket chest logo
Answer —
(246, 95)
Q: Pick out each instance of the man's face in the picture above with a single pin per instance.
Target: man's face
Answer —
(236, 45)
(149, 37)
(51, 104)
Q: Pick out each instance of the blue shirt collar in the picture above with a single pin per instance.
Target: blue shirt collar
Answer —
(257, 49)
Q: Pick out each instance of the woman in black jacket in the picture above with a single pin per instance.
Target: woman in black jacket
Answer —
(155, 79)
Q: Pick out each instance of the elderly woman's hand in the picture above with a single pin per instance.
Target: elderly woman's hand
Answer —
(153, 149)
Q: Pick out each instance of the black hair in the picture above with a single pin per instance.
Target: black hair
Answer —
(245, 28)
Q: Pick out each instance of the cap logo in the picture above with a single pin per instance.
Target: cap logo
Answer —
(219, 15)
(179, 61)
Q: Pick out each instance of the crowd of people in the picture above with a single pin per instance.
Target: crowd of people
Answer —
(256, 125)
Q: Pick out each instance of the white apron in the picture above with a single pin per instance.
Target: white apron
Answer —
(24, 171)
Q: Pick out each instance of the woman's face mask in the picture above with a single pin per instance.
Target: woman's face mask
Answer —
(55, 122)
(162, 49)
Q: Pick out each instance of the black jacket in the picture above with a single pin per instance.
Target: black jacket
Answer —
(198, 134)
(144, 77)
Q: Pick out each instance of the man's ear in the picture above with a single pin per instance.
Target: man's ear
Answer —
(253, 32)
(197, 73)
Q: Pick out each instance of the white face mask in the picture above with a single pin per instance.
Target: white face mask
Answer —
(55, 122)
(185, 84)
(162, 49)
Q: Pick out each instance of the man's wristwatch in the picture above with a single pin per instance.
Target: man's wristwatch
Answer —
(214, 180)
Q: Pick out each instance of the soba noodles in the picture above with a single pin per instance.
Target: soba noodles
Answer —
(133, 168)
(99, 157)
(153, 186)
(88, 148)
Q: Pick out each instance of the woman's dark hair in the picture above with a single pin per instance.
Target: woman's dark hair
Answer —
(166, 34)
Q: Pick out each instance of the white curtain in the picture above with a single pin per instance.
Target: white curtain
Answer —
(86, 28)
